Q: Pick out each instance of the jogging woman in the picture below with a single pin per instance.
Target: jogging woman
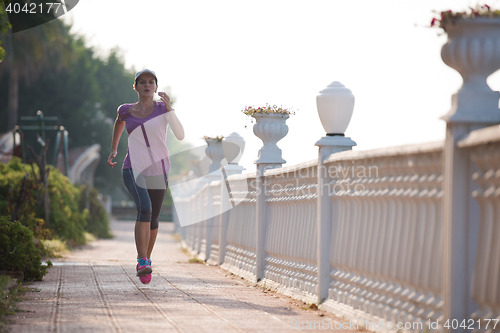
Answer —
(146, 166)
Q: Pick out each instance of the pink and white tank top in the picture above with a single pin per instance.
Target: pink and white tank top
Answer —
(147, 152)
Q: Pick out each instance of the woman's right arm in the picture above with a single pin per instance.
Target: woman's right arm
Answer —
(117, 133)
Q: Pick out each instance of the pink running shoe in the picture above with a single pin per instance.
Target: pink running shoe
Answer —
(145, 279)
(143, 267)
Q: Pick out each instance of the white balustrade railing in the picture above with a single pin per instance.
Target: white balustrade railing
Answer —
(238, 227)
(407, 234)
(195, 229)
(484, 148)
(291, 235)
(213, 223)
(385, 255)
(385, 250)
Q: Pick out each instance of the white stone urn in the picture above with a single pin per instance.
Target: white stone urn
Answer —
(473, 49)
(215, 153)
(270, 128)
(233, 146)
(335, 106)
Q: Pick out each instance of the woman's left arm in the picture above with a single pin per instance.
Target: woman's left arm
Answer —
(176, 125)
(172, 119)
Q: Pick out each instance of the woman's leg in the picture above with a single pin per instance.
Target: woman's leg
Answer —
(152, 240)
(143, 203)
(142, 238)
(156, 196)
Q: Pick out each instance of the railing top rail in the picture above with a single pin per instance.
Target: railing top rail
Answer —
(214, 183)
(291, 168)
(481, 136)
(242, 176)
(416, 148)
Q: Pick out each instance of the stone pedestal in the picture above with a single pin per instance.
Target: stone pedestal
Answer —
(470, 51)
(270, 128)
(328, 145)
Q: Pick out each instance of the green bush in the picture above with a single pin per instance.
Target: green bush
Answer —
(66, 220)
(18, 251)
(69, 218)
(96, 215)
(10, 293)
(11, 176)
(21, 205)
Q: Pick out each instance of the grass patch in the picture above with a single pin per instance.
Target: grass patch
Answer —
(89, 237)
(195, 260)
(309, 306)
(54, 248)
(10, 292)
(177, 237)
(185, 251)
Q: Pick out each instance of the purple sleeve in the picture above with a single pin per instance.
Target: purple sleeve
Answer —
(122, 111)
(163, 108)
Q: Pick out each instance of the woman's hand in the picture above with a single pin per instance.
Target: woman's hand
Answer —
(110, 158)
(166, 99)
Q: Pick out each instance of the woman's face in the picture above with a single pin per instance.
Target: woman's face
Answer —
(146, 85)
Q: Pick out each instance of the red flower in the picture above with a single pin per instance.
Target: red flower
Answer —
(433, 22)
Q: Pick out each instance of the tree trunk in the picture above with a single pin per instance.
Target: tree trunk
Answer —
(13, 98)
(43, 179)
(46, 197)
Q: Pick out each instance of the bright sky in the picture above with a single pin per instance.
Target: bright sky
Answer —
(220, 56)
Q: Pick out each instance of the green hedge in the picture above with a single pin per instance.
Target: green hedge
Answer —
(66, 220)
(18, 251)
(73, 211)
(97, 217)
(69, 218)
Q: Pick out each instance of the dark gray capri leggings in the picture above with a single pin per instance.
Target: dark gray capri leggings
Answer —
(147, 200)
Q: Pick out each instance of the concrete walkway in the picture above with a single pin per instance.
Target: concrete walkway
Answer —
(94, 289)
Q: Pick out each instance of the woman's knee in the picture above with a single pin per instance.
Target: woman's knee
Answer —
(154, 224)
(144, 213)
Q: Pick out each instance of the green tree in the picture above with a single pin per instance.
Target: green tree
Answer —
(27, 54)
(84, 95)
(4, 27)
(116, 87)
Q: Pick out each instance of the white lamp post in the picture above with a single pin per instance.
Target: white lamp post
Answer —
(215, 153)
(335, 105)
(233, 146)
